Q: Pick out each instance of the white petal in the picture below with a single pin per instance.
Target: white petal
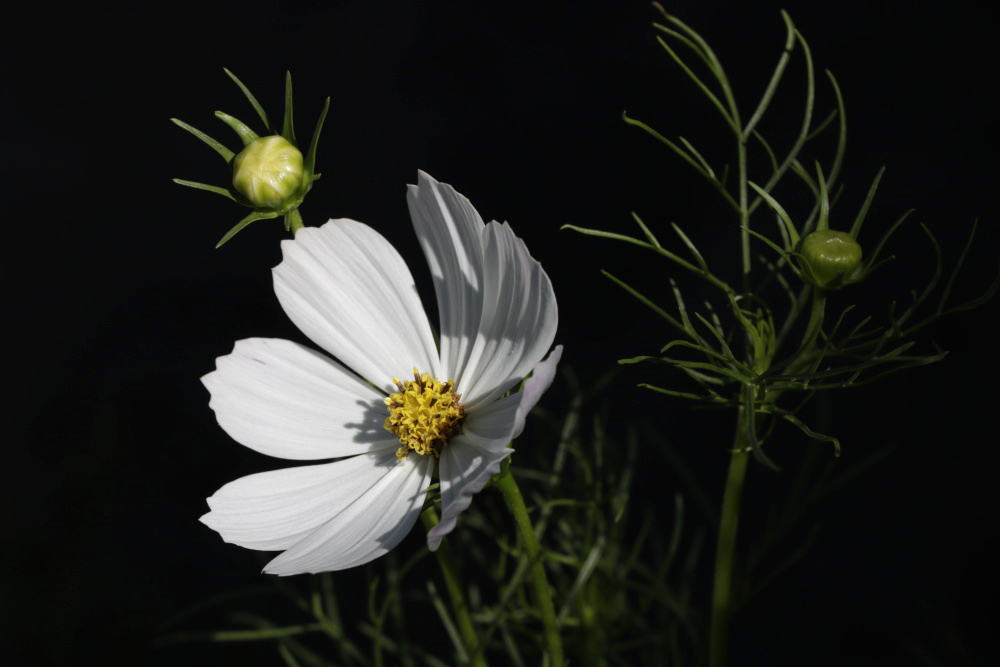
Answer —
(539, 382)
(519, 318)
(367, 528)
(472, 458)
(349, 290)
(465, 468)
(277, 509)
(285, 400)
(450, 232)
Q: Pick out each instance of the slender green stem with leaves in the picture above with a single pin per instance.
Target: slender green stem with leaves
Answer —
(742, 360)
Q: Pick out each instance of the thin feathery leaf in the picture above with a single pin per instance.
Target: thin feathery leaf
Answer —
(785, 254)
(783, 216)
(610, 235)
(726, 351)
(838, 159)
(747, 374)
(679, 394)
(750, 416)
(823, 124)
(645, 301)
(803, 135)
(691, 247)
(698, 156)
(856, 227)
(772, 85)
(645, 230)
(958, 267)
(730, 121)
(824, 201)
(767, 149)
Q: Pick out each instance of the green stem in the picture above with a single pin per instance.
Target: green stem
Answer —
(725, 550)
(744, 210)
(294, 221)
(449, 571)
(505, 483)
(815, 320)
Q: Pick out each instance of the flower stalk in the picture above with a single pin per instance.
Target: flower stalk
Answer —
(507, 485)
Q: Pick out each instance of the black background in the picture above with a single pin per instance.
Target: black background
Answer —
(118, 302)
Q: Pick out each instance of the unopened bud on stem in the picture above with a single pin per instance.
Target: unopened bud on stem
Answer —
(830, 258)
(268, 172)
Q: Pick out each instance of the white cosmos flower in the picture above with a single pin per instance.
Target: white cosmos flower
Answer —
(349, 291)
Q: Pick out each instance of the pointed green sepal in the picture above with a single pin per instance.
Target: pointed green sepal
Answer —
(210, 188)
(256, 215)
(288, 127)
(239, 127)
(253, 100)
(226, 154)
(310, 163)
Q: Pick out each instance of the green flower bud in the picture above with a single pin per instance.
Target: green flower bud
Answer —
(269, 173)
(829, 258)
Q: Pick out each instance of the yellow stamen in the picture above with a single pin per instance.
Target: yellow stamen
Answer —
(424, 414)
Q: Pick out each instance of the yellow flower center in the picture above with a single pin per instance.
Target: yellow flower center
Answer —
(424, 413)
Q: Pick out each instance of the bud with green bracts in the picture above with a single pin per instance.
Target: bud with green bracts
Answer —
(829, 259)
(270, 174)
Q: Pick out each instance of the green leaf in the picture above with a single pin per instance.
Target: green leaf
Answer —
(701, 160)
(691, 247)
(609, 235)
(645, 230)
(885, 237)
(645, 300)
(681, 394)
(824, 201)
(750, 413)
(841, 113)
(803, 136)
(772, 85)
(730, 121)
(793, 233)
(856, 227)
(811, 433)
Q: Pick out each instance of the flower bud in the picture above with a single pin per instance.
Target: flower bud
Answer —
(268, 172)
(832, 257)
